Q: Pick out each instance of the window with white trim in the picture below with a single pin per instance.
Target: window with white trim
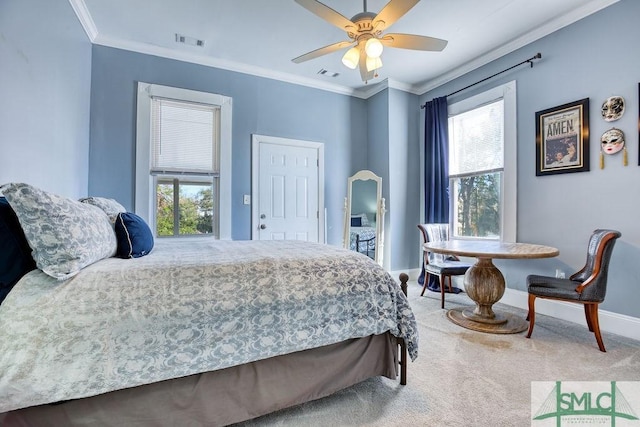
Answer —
(182, 180)
(482, 165)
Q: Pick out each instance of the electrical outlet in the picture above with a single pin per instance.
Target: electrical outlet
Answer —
(247, 199)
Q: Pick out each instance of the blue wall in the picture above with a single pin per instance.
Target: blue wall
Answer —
(394, 154)
(378, 156)
(594, 58)
(51, 77)
(404, 179)
(45, 75)
(260, 105)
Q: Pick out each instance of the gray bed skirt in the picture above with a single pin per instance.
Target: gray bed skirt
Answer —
(229, 395)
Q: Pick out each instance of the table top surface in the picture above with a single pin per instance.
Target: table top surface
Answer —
(491, 249)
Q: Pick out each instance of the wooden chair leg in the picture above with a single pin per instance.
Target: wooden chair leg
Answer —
(531, 317)
(587, 315)
(426, 283)
(592, 310)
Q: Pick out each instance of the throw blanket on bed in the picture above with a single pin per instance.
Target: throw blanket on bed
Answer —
(190, 306)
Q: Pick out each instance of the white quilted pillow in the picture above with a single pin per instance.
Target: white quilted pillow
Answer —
(65, 235)
(110, 206)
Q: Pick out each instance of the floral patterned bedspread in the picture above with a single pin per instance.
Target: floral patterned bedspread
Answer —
(190, 306)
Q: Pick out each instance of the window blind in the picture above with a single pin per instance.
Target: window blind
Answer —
(476, 143)
(183, 137)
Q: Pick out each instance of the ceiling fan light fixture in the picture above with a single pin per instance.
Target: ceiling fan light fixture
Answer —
(351, 58)
(373, 47)
(373, 63)
(366, 31)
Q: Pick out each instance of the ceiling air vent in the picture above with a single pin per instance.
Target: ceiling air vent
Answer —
(192, 41)
(328, 73)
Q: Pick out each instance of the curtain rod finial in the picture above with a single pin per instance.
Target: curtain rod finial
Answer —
(536, 56)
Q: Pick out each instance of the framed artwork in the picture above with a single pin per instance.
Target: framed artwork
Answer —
(562, 139)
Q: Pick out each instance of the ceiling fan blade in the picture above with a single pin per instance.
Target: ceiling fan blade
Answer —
(326, 13)
(362, 65)
(322, 51)
(393, 11)
(412, 41)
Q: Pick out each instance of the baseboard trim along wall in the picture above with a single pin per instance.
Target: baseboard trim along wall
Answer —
(619, 324)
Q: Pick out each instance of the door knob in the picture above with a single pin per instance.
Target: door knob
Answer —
(263, 226)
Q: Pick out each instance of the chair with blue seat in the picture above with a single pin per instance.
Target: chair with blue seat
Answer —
(441, 266)
(587, 287)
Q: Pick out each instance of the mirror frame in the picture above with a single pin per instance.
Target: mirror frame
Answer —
(366, 175)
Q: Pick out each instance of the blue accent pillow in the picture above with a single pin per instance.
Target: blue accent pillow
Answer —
(135, 238)
(356, 221)
(15, 253)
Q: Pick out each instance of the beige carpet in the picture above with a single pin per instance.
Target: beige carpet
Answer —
(467, 378)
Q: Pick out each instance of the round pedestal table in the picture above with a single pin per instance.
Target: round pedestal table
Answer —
(484, 283)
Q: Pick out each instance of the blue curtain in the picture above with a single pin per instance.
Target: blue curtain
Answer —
(436, 171)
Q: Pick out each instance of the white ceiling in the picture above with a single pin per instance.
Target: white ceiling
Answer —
(262, 36)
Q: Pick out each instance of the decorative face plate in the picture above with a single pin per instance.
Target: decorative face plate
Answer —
(613, 108)
(612, 141)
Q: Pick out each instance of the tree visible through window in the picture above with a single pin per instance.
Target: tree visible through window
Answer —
(194, 203)
(478, 205)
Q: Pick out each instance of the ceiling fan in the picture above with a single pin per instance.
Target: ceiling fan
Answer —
(365, 34)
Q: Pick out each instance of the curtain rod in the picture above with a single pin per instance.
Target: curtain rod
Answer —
(530, 61)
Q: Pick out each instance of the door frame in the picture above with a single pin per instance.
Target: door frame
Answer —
(256, 141)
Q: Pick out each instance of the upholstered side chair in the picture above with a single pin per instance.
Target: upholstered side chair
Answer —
(587, 287)
(439, 265)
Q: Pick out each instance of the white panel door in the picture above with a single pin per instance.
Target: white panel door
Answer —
(288, 193)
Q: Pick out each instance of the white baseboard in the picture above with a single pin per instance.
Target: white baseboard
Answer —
(619, 324)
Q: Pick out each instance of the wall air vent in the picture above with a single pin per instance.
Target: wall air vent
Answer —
(192, 41)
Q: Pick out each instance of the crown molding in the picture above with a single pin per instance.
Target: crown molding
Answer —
(405, 87)
(540, 32)
(221, 64)
(388, 83)
(364, 92)
(369, 90)
(95, 37)
(81, 11)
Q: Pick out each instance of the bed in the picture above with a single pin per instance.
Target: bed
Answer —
(363, 240)
(197, 331)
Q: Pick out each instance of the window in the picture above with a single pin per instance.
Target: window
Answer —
(194, 201)
(482, 165)
(183, 161)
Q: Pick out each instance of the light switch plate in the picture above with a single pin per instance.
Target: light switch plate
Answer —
(247, 199)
